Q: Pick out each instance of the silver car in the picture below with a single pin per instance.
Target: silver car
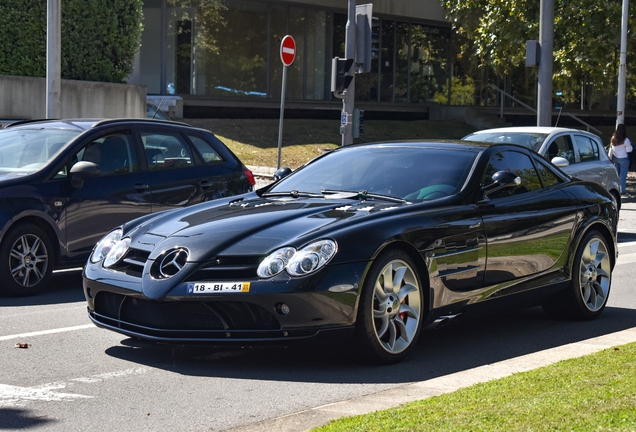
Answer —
(579, 153)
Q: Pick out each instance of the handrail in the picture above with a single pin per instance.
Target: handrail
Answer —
(501, 107)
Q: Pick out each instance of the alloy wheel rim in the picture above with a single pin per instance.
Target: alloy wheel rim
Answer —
(29, 260)
(397, 306)
(595, 274)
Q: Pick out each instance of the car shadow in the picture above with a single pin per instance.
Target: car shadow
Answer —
(625, 237)
(460, 346)
(65, 287)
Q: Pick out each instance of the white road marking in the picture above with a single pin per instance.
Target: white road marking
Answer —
(626, 258)
(46, 332)
(14, 395)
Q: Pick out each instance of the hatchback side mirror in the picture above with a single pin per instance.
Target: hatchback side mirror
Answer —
(560, 162)
(81, 171)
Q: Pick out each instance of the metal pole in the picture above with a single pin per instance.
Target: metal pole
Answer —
(350, 52)
(622, 68)
(546, 42)
(282, 109)
(53, 61)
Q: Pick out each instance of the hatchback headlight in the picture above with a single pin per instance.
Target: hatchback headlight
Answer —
(106, 244)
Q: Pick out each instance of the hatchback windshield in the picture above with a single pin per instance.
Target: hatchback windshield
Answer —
(27, 150)
(531, 140)
(403, 172)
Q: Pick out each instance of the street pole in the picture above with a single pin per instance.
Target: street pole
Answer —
(622, 68)
(282, 110)
(546, 42)
(350, 52)
(53, 60)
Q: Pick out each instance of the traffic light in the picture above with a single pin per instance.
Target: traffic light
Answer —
(367, 37)
(340, 74)
(358, 121)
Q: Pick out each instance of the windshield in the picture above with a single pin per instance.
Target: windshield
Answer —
(410, 173)
(531, 140)
(25, 151)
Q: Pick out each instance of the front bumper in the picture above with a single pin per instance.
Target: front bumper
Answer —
(319, 306)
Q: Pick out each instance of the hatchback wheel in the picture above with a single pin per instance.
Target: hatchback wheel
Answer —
(391, 309)
(25, 261)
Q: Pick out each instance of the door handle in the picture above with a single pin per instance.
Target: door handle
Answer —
(140, 187)
(205, 184)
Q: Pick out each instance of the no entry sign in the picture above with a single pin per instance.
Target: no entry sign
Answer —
(288, 50)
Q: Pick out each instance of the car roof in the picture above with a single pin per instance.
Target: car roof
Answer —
(429, 143)
(89, 123)
(533, 129)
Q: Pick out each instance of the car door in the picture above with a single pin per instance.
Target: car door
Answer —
(528, 226)
(590, 166)
(118, 194)
(178, 174)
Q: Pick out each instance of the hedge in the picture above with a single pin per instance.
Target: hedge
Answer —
(99, 38)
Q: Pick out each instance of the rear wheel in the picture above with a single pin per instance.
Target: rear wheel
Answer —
(391, 309)
(25, 260)
(591, 279)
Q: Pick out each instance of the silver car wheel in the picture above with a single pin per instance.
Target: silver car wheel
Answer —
(595, 274)
(28, 260)
(396, 306)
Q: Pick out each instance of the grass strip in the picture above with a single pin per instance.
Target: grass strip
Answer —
(591, 393)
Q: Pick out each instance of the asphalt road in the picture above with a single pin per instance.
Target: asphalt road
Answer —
(74, 376)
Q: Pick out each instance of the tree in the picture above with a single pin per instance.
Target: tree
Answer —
(99, 39)
(586, 35)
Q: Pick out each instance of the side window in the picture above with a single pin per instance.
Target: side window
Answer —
(517, 163)
(588, 149)
(206, 150)
(548, 178)
(113, 154)
(166, 150)
(562, 147)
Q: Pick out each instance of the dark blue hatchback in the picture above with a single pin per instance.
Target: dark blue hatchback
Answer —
(65, 183)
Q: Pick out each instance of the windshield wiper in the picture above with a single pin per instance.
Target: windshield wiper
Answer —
(362, 195)
(293, 194)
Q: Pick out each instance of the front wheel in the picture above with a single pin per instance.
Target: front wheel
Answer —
(25, 261)
(589, 290)
(391, 309)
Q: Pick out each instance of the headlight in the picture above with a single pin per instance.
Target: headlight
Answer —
(275, 262)
(106, 244)
(311, 258)
(117, 252)
(298, 263)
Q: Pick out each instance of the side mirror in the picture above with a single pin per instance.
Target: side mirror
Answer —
(282, 173)
(501, 180)
(560, 162)
(81, 171)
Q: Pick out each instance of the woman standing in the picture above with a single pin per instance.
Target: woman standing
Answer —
(622, 146)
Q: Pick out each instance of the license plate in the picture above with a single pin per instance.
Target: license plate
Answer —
(218, 287)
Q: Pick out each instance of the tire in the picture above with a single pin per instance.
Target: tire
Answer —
(26, 261)
(390, 312)
(588, 292)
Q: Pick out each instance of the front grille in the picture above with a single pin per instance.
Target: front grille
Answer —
(227, 268)
(133, 262)
(218, 319)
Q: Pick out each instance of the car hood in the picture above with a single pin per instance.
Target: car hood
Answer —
(251, 226)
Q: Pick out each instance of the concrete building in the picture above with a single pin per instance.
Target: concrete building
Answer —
(222, 57)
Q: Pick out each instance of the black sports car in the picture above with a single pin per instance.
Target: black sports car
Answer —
(369, 241)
